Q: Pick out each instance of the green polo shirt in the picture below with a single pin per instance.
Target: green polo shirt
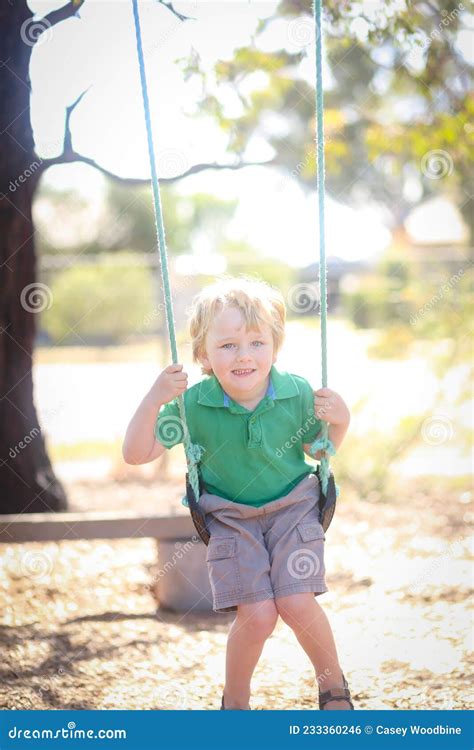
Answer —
(250, 457)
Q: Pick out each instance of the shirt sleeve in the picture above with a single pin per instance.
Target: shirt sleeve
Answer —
(311, 425)
(169, 427)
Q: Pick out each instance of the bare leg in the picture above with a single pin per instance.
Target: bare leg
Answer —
(247, 636)
(312, 629)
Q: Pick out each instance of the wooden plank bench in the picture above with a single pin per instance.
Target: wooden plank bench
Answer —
(182, 581)
(56, 527)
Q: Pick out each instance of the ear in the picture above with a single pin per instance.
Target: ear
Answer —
(204, 360)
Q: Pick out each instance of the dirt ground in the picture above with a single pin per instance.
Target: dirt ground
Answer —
(80, 628)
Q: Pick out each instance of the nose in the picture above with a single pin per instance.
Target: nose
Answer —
(243, 355)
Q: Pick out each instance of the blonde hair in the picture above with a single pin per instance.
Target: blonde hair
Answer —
(258, 302)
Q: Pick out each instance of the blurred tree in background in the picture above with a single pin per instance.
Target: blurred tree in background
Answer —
(398, 112)
(121, 233)
(397, 118)
(125, 219)
(100, 304)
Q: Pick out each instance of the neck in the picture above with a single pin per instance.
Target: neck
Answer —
(250, 399)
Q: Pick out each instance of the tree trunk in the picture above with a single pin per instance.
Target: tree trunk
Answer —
(27, 481)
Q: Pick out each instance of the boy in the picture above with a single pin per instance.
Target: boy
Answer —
(254, 423)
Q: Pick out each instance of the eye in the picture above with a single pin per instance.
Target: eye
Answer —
(226, 346)
(258, 343)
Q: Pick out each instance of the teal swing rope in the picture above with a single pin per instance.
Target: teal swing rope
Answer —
(323, 442)
(193, 451)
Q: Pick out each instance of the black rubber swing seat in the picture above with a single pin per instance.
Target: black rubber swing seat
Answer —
(327, 501)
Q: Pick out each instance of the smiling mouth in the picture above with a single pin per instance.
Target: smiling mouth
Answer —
(242, 373)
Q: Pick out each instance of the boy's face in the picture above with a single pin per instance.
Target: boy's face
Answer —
(239, 358)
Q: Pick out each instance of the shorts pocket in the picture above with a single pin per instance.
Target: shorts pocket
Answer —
(307, 561)
(223, 566)
(311, 531)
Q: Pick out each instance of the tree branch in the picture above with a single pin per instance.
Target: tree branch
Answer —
(72, 156)
(69, 10)
(67, 130)
(56, 16)
(176, 13)
(201, 167)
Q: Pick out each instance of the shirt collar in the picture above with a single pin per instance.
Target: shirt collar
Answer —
(270, 393)
(281, 385)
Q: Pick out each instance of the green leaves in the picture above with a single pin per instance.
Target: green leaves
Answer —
(399, 90)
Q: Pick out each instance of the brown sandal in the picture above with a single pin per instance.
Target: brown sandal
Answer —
(336, 694)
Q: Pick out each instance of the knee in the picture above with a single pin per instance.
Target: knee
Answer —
(294, 610)
(259, 618)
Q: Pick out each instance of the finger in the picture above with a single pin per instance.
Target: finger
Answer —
(322, 402)
(180, 376)
(174, 368)
(321, 409)
(323, 392)
(180, 388)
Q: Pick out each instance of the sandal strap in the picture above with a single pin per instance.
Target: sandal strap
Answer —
(223, 708)
(341, 694)
(338, 694)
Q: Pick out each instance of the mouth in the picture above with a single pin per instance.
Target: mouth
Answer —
(243, 373)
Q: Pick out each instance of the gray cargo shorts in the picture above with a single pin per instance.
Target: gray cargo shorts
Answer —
(264, 553)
